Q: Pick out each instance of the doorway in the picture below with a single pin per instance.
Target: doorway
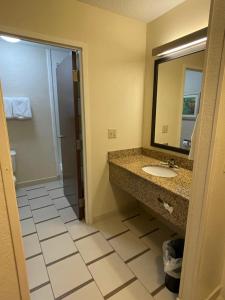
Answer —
(46, 138)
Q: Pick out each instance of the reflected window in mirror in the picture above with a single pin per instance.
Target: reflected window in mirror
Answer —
(176, 100)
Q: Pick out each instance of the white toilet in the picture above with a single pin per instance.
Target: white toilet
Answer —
(13, 158)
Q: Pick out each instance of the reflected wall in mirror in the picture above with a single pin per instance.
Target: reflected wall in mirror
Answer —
(176, 100)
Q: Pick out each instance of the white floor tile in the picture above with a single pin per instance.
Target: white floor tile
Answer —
(40, 202)
(128, 245)
(135, 291)
(140, 225)
(25, 212)
(50, 228)
(56, 193)
(111, 226)
(44, 214)
(67, 214)
(31, 245)
(68, 274)
(88, 292)
(37, 272)
(149, 270)
(27, 226)
(155, 240)
(58, 247)
(44, 293)
(51, 185)
(61, 202)
(110, 273)
(79, 229)
(32, 194)
(165, 295)
(93, 247)
(22, 201)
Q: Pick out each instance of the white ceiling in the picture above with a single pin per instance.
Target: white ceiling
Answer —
(143, 10)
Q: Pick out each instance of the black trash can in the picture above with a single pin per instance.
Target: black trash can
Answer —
(172, 257)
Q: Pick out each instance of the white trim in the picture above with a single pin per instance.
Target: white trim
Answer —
(73, 45)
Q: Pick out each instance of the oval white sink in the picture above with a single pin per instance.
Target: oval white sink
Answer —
(160, 171)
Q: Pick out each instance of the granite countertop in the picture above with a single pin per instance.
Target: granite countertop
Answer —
(179, 185)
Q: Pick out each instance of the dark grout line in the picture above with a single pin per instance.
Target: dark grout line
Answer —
(26, 218)
(136, 256)
(83, 237)
(155, 292)
(62, 207)
(51, 237)
(120, 288)
(130, 218)
(74, 290)
(33, 256)
(47, 220)
(55, 188)
(118, 234)
(57, 197)
(34, 188)
(39, 287)
(61, 259)
(148, 233)
(100, 258)
(70, 221)
(24, 195)
(42, 207)
(22, 206)
(23, 236)
(30, 199)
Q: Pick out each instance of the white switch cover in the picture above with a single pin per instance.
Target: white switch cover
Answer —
(165, 129)
(112, 133)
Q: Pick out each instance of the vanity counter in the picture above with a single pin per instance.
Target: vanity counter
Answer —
(179, 185)
(126, 172)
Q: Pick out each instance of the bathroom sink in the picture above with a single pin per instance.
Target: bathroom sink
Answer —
(160, 171)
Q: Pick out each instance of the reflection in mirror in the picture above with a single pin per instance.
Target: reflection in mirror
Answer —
(177, 91)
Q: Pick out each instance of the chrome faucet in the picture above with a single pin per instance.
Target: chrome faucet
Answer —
(170, 163)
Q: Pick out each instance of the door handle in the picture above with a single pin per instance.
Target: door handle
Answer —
(61, 136)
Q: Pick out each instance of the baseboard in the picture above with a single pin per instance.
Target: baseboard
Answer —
(36, 181)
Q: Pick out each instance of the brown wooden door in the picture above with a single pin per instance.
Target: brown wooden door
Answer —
(68, 87)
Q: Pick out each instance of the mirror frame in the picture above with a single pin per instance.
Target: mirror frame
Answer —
(156, 51)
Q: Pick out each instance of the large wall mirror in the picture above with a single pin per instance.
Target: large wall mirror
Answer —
(176, 100)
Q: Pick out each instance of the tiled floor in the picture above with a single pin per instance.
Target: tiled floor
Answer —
(118, 258)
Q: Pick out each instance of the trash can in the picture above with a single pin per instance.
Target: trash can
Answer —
(172, 257)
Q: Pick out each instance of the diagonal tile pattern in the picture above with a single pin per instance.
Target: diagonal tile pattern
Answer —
(118, 258)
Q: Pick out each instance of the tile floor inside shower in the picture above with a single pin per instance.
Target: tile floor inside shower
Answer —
(118, 258)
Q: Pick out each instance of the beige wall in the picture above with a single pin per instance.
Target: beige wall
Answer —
(23, 72)
(116, 60)
(170, 93)
(186, 18)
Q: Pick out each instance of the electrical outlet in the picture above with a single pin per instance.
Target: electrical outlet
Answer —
(165, 129)
(111, 133)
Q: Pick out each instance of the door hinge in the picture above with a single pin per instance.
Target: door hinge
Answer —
(78, 144)
(75, 75)
(81, 202)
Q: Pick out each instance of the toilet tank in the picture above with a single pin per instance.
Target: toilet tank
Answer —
(13, 158)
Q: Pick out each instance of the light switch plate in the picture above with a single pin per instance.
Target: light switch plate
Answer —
(165, 129)
(112, 133)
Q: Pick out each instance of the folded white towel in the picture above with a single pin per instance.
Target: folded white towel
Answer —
(21, 108)
(194, 139)
(8, 107)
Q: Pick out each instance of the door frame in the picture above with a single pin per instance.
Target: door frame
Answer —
(72, 45)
